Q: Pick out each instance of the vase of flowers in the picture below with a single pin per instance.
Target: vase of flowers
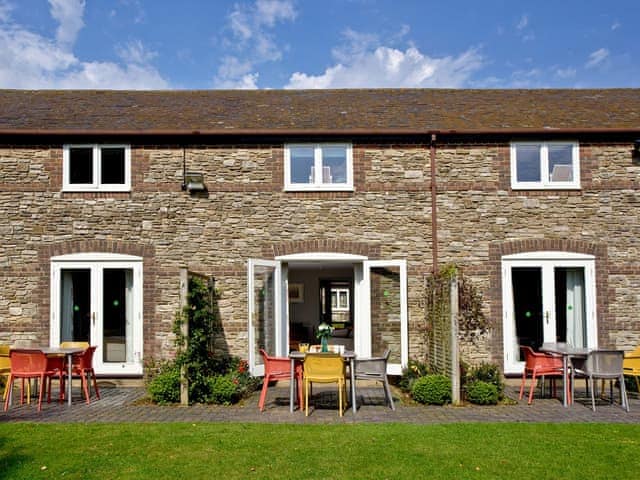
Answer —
(324, 332)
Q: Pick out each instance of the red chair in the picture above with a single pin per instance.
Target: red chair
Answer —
(279, 368)
(539, 365)
(27, 364)
(83, 367)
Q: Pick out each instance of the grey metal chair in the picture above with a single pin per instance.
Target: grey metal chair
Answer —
(604, 365)
(375, 368)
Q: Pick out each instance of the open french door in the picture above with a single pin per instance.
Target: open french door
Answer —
(382, 315)
(267, 330)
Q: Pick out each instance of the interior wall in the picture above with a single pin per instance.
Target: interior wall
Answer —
(306, 314)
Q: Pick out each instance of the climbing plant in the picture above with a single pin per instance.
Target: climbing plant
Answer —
(472, 321)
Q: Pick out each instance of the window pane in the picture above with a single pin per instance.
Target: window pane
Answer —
(81, 165)
(301, 164)
(561, 163)
(528, 163)
(334, 165)
(112, 165)
(343, 300)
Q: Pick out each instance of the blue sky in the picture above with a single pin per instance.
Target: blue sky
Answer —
(189, 44)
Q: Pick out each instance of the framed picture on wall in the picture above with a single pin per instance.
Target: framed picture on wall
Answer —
(296, 292)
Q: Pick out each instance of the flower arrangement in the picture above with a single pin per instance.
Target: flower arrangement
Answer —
(324, 331)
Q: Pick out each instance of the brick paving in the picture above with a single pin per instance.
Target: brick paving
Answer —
(127, 405)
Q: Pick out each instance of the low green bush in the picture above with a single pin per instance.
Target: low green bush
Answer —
(222, 390)
(482, 393)
(164, 386)
(413, 372)
(485, 372)
(432, 390)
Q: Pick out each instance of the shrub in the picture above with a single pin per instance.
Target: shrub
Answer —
(222, 390)
(482, 393)
(485, 372)
(164, 386)
(414, 371)
(432, 389)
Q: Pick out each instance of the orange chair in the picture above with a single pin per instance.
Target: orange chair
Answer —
(27, 364)
(539, 365)
(278, 368)
(83, 367)
(631, 366)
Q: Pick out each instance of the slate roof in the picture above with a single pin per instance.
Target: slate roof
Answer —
(307, 111)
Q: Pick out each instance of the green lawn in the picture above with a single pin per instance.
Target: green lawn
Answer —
(394, 451)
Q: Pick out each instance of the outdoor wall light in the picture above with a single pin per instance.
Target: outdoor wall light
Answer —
(193, 182)
(636, 149)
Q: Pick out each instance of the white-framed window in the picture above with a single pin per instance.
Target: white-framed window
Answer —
(340, 299)
(105, 168)
(320, 166)
(545, 165)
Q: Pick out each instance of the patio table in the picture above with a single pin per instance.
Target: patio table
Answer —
(567, 352)
(347, 355)
(68, 352)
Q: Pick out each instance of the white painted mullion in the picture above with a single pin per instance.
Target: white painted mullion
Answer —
(317, 165)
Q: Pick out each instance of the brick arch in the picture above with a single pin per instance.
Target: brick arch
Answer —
(498, 249)
(322, 245)
(150, 275)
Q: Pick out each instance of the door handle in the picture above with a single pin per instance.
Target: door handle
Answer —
(546, 316)
(93, 318)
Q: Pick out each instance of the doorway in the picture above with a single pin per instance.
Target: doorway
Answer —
(98, 299)
(547, 297)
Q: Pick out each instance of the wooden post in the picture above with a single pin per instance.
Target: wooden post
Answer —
(184, 330)
(455, 356)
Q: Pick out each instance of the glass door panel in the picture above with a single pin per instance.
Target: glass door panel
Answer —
(264, 302)
(75, 305)
(387, 326)
(117, 315)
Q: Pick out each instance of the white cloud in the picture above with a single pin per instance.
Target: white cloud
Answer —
(566, 73)
(68, 13)
(596, 58)
(251, 41)
(32, 61)
(5, 11)
(615, 26)
(523, 22)
(390, 67)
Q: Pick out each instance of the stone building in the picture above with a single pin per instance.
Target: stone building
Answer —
(310, 206)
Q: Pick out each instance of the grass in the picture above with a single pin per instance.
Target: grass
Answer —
(371, 451)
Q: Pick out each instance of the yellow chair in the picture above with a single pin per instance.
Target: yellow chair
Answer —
(324, 368)
(74, 345)
(631, 365)
(5, 368)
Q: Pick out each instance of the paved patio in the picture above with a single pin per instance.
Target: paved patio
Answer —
(127, 404)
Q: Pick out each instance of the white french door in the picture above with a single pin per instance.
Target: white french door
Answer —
(380, 308)
(547, 297)
(267, 330)
(97, 298)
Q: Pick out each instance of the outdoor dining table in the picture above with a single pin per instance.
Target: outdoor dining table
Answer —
(299, 356)
(567, 352)
(68, 352)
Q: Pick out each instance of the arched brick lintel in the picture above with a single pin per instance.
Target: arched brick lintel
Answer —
(498, 249)
(322, 245)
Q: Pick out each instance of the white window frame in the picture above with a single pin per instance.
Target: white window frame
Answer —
(318, 184)
(338, 291)
(545, 183)
(96, 185)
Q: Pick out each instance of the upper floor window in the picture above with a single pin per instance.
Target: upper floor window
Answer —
(545, 165)
(104, 168)
(324, 166)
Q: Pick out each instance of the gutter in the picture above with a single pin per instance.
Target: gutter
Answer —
(309, 132)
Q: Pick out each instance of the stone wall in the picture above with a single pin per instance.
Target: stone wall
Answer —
(246, 214)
